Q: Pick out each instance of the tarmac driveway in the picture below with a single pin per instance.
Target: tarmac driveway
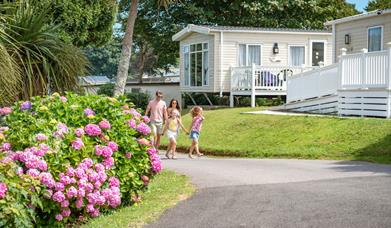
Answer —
(281, 193)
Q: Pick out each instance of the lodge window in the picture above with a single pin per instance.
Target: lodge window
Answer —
(196, 64)
(375, 38)
(249, 54)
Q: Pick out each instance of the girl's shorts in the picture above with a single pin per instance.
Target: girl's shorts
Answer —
(172, 134)
(194, 135)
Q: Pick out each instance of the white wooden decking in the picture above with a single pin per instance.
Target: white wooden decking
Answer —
(358, 85)
(261, 80)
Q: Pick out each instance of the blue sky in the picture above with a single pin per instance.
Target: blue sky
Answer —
(360, 4)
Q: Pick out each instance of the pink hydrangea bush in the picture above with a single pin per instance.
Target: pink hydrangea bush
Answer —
(88, 153)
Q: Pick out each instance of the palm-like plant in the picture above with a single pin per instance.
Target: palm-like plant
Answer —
(33, 57)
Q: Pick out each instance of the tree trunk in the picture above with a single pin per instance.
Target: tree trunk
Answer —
(123, 66)
(143, 55)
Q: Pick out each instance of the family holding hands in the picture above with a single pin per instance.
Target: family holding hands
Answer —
(168, 120)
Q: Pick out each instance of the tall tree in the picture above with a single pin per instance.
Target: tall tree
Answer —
(123, 66)
(378, 5)
(83, 23)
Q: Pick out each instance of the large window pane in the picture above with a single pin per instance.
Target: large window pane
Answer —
(186, 66)
(242, 55)
(193, 69)
(199, 69)
(374, 39)
(254, 54)
(296, 55)
(205, 68)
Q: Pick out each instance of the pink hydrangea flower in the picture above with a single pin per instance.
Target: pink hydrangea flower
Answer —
(47, 179)
(135, 113)
(81, 192)
(79, 203)
(99, 167)
(3, 190)
(146, 119)
(5, 111)
(58, 197)
(6, 146)
(95, 213)
(79, 132)
(107, 151)
(132, 123)
(33, 172)
(126, 111)
(143, 129)
(113, 145)
(113, 182)
(59, 217)
(92, 130)
(72, 192)
(77, 144)
(128, 155)
(143, 141)
(108, 162)
(63, 99)
(65, 203)
(90, 208)
(155, 160)
(66, 212)
(59, 186)
(89, 112)
(102, 176)
(88, 162)
(41, 137)
(104, 124)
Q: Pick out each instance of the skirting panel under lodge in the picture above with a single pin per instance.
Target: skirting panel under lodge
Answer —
(364, 103)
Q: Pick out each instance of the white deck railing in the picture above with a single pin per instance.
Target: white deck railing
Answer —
(263, 77)
(365, 70)
(316, 83)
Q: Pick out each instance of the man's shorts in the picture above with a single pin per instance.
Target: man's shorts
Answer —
(157, 128)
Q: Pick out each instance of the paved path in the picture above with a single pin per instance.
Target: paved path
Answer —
(281, 193)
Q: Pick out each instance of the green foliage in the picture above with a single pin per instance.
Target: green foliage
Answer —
(269, 101)
(139, 99)
(200, 99)
(83, 23)
(104, 59)
(131, 160)
(17, 208)
(34, 60)
(378, 5)
(107, 89)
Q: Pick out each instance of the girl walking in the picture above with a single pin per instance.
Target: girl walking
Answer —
(196, 124)
(172, 127)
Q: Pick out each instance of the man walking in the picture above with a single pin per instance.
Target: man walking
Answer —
(158, 110)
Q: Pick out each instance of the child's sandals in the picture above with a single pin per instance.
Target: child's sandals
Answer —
(200, 154)
(167, 155)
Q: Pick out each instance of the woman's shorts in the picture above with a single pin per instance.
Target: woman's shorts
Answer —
(172, 134)
(194, 135)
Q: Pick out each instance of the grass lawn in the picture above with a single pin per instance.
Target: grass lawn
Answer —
(166, 189)
(226, 132)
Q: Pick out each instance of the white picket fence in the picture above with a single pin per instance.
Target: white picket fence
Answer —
(316, 83)
(365, 70)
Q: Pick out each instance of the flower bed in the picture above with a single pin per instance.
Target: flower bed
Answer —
(72, 158)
